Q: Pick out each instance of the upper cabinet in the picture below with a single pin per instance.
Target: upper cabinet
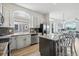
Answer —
(0, 8)
(13, 12)
(56, 15)
(31, 22)
(35, 21)
(6, 14)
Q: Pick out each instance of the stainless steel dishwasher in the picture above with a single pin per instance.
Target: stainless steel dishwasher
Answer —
(34, 38)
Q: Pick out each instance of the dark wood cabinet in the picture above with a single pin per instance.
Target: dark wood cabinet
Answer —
(47, 47)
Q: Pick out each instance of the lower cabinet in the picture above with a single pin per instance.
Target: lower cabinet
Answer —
(13, 43)
(20, 42)
(27, 40)
(23, 41)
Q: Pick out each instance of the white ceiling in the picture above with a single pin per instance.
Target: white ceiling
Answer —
(50, 7)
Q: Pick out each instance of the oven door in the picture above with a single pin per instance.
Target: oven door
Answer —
(16, 28)
(26, 28)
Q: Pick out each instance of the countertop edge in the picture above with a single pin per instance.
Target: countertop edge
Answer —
(48, 37)
(15, 34)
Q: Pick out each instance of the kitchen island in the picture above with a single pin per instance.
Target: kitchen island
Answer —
(47, 45)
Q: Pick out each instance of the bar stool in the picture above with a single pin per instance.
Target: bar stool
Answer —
(65, 44)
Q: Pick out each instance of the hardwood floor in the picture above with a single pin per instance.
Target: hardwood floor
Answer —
(27, 51)
(34, 50)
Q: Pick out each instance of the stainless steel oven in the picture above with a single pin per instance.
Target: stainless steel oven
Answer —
(6, 31)
(21, 27)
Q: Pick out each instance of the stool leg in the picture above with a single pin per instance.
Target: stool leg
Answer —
(71, 51)
(8, 49)
(65, 51)
(56, 49)
(59, 50)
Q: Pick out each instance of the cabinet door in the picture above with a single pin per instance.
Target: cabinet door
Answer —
(20, 41)
(13, 43)
(34, 22)
(37, 22)
(0, 8)
(11, 21)
(31, 22)
(6, 15)
(28, 40)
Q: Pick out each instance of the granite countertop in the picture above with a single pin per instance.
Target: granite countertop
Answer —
(22, 33)
(16, 34)
(50, 37)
